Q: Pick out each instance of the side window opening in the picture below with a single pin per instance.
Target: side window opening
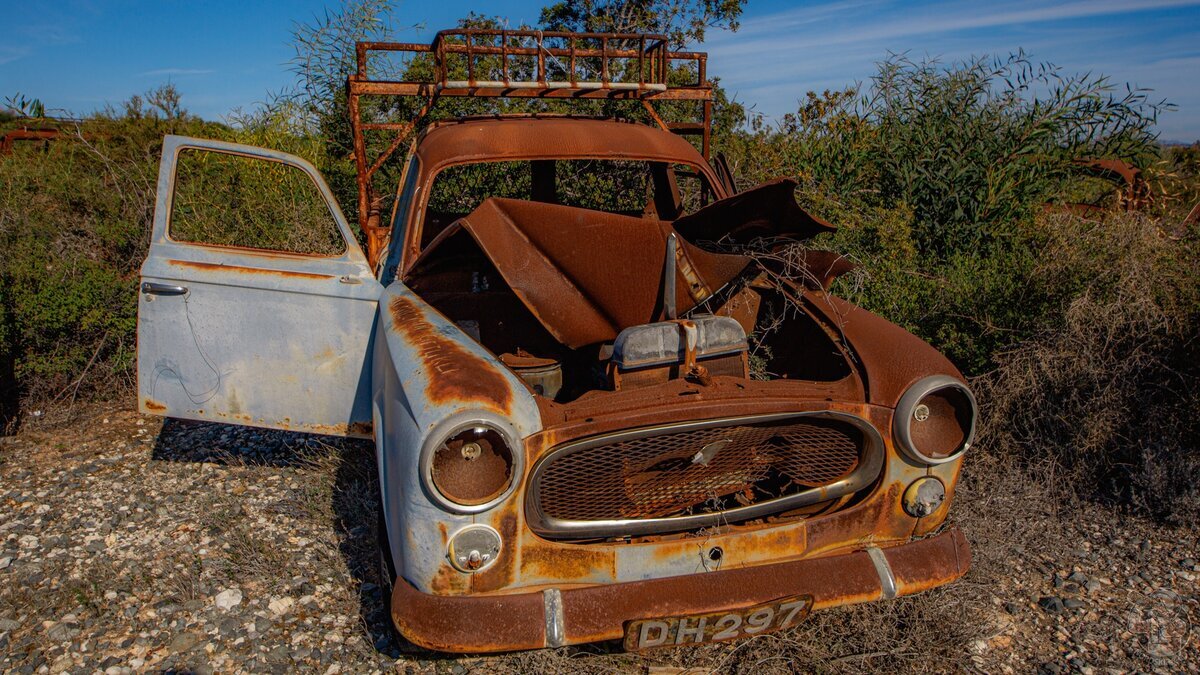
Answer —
(226, 199)
(694, 190)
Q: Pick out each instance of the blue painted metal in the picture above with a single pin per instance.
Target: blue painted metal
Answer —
(408, 420)
(269, 339)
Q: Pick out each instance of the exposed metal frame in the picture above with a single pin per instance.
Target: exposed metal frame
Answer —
(868, 469)
(650, 53)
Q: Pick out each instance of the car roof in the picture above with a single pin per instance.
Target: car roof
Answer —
(527, 138)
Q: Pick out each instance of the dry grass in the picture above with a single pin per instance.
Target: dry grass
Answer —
(1111, 392)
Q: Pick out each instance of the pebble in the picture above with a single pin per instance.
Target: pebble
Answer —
(183, 642)
(280, 606)
(1050, 604)
(189, 553)
(228, 599)
(62, 631)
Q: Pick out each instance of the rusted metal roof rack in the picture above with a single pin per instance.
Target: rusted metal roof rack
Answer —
(524, 64)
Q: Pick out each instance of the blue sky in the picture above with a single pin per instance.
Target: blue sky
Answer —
(77, 55)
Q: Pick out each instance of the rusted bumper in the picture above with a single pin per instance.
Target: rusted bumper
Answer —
(555, 617)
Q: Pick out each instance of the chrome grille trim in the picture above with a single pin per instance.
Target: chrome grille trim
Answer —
(869, 467)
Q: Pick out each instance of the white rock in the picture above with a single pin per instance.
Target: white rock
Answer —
(228, 599)
(27, 541)
(110, 595)
(280, 606)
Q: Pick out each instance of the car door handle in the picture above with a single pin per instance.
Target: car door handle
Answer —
(162, 289)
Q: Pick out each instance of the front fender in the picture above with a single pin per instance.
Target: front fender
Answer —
(428, 373)
(891, 358)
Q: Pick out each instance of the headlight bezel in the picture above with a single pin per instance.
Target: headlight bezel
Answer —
(912, 398)
(447, 431)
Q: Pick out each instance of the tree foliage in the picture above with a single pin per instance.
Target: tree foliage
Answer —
(683, 21)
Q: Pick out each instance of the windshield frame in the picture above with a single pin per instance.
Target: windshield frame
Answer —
(415, 220)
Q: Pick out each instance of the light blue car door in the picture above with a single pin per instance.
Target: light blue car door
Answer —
(256, 305)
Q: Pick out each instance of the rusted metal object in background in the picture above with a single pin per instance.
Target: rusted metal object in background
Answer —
(520, 64)
(1132, 191)
(15, 136)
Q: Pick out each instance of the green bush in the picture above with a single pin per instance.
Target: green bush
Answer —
(936, 174)
(75, 218)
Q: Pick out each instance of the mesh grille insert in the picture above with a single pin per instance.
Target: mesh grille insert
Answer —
(694, 471)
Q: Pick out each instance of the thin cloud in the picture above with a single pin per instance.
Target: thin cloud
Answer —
(776, 57)
(773, 32)
(9, 54)
(176, 71)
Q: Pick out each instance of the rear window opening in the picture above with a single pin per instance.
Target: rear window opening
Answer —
(642, 189)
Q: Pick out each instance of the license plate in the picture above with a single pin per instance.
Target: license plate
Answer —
(718, 626)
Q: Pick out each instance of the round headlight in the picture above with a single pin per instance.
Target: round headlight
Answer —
(472, 468)
(935, 420)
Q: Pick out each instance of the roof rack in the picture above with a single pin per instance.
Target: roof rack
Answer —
(501, 63)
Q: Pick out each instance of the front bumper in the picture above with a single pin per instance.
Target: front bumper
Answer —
(555, 617)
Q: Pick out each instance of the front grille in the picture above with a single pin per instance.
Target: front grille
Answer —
(704, 468)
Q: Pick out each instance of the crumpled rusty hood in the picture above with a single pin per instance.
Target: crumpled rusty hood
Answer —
(585, 274)
(765, 210)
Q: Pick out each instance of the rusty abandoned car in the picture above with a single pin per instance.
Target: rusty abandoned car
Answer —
(601, 406)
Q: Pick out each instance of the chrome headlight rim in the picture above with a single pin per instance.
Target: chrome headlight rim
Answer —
(903, 419)
(450, 428)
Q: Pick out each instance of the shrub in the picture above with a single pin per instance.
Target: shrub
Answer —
(1111, 392)
(74, 226)
(936, 174)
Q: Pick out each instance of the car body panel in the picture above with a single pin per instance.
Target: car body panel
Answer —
(240, 343)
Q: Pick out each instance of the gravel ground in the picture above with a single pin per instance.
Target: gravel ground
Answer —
(127, 544)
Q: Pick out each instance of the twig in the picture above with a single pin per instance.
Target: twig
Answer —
(78, 381)
(868, 655)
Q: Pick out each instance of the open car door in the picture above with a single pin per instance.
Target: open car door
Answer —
(256, 305)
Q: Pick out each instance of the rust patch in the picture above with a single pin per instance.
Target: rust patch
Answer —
(599, 612)
(448, 581)
(355, 429)
(454, 373)
(154, 406)
(237, 269)
(566, 564)
(359, 429)
(502, 574)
